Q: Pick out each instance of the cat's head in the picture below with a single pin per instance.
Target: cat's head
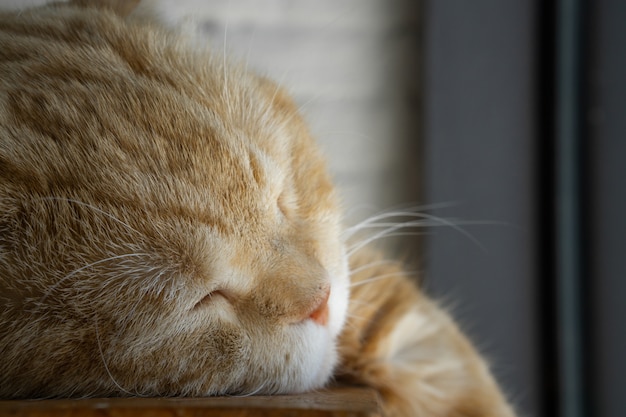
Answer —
(167, 225)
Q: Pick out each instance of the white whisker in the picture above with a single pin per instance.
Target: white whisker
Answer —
(251, 393)
(329, 133)
(392, 227)
(354, 249)
(104, 362)
(391, 213)
(92, 207)
(423, 224)
(278, 85)
(385, 234)
(396, 274)
(82, 268)
(306, 103)
(372, 265)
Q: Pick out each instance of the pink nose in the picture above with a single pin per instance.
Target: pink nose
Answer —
(320, 314)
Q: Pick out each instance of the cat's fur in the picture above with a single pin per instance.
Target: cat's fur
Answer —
(168, 227)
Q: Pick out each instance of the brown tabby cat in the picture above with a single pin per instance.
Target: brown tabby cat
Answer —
(168, 228)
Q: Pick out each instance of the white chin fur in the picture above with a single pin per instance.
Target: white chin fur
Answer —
(320, 342)
(320, 359)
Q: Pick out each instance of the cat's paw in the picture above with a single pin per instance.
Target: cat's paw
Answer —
(401, 343)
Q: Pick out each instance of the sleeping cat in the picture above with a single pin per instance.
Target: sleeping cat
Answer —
(168, 228)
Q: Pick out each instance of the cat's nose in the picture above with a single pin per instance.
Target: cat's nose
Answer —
(320, 314)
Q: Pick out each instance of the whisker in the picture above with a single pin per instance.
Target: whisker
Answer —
(104, 362)
(329, 133)
(372, 265)
(357, 247)
(251, 393)
(383, 276)
(92, 207)
(413, 223)
(426, 223)
(410, 211)
(306, 103)
(82, 268)
(279, 84)
(387, 232)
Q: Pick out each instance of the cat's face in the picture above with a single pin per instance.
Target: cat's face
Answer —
(167, 225)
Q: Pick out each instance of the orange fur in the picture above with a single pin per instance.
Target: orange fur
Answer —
(399, 342)
(168, 227)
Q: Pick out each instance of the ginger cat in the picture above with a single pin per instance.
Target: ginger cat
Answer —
(168, 228)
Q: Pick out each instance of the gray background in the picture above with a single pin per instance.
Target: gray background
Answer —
(479, 153)
(606, 116)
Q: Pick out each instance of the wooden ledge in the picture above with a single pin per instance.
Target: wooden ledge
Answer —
(335, 402)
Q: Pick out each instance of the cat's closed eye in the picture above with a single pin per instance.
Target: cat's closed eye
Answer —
(211, 297)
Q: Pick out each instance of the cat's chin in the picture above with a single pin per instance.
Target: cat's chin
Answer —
(301, 359)
(320, 358)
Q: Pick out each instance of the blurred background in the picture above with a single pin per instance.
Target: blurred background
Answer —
(506, 118)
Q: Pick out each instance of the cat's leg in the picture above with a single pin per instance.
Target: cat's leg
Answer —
(401, 343)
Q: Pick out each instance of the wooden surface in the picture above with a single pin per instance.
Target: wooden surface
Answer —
(338, 402)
